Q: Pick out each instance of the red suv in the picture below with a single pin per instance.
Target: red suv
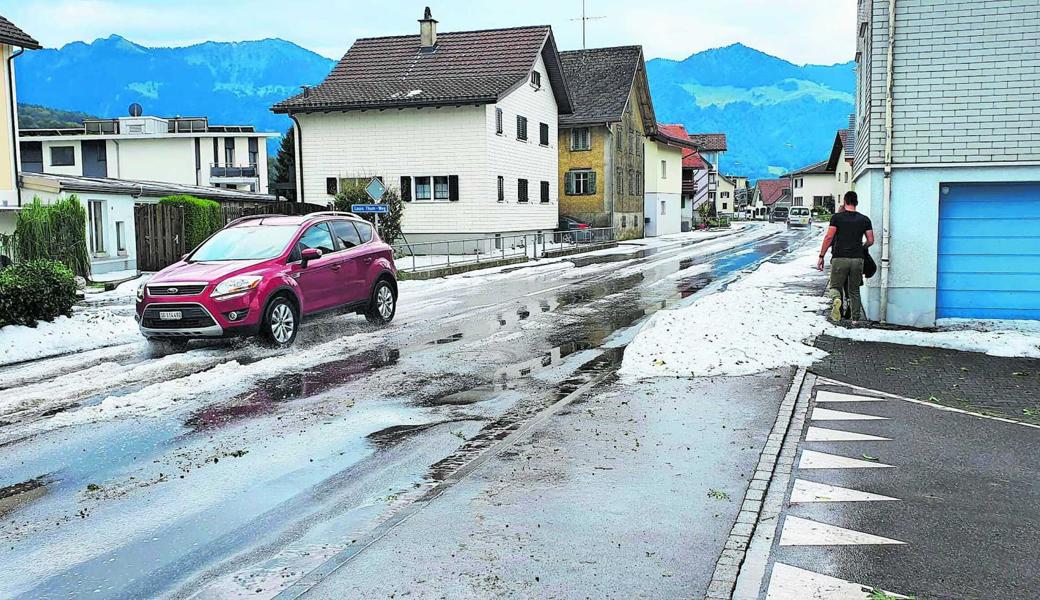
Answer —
(262, 274)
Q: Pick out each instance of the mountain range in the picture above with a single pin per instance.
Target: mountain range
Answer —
(777, 115)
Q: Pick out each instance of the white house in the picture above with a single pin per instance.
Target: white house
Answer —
(663, 184)
(464, 124)
(813, 185)
(109, 203)
(725, 197)
(13, 41)
(181, 150)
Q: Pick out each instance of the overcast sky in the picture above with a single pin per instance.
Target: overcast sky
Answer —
(802, 31)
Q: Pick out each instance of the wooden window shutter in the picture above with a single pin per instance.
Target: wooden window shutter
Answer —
(406, 189)
(453, 188)
(543, 134)
(568, 183)
(592, 182)
(545, 191)
(498, 120)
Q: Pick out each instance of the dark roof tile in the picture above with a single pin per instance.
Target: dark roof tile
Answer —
(11, 34)
(710, 142)
(467, 66)
(600, 81)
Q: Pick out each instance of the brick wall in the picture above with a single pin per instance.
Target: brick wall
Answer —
(967, 81)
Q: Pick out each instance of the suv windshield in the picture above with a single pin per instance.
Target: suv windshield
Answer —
(245, 243)
(799, 212)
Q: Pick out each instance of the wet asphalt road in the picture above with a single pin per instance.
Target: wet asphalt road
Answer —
(229, 469)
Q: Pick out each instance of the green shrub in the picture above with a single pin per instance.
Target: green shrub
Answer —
(37, 290)
(202, 218)
(389, 223)
(56, 231)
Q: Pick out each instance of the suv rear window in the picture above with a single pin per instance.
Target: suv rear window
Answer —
(365, 230)
(801, 212)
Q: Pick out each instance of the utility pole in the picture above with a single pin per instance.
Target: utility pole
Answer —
(584, 21)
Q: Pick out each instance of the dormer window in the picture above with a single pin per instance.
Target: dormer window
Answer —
(536, 80)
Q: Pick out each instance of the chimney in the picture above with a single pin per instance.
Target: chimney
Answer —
(427, 30)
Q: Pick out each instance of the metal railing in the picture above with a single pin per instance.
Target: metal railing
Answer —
(423, 256)
(226, 170)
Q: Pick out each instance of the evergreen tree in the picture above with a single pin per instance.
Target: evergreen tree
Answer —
(284, 171)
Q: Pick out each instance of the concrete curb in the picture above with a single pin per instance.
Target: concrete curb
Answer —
(756, 508)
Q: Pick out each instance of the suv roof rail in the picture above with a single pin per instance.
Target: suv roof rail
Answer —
(332, 213)
(252, 218)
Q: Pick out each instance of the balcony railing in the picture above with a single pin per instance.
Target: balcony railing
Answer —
(224, 170)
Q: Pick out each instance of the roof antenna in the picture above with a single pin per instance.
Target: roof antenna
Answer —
(584, 21)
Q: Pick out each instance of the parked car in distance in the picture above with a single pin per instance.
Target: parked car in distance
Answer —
(261, 275)
(779, 215)
(574, 230)
(799, 216)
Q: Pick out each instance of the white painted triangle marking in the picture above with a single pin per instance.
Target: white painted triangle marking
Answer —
(803, 532)
(826, 414)
(792, 583)
(820, 434)
(825, 396)
(821, 460)
(810, 491)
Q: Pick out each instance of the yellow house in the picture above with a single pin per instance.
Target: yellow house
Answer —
(13, 41)
(602, 142)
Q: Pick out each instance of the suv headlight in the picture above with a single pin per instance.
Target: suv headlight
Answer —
(236, 286)
(140, 292)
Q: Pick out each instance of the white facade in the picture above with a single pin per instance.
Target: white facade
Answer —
(8, 161)
(807, 188)
(441, 142)
(725, 197)
(233, 160)
(662, 207)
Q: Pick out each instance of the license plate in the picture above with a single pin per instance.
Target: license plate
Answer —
(170, 315)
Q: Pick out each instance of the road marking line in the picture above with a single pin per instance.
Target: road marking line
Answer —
(826, 414)
(792, 583)
(810, 491)
(803, 532)
(821, 434)
(821, 460)
(826, 396)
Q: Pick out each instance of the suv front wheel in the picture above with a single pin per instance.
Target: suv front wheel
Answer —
(281, 322)
(383, 305)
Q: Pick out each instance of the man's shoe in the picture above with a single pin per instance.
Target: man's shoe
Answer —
(836, 310)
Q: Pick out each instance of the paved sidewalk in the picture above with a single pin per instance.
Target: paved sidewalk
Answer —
(988, 385)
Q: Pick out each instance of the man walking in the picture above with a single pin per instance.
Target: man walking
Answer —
(845, 238)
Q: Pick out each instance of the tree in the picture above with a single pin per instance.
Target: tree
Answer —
(389, 223)
(283, 175)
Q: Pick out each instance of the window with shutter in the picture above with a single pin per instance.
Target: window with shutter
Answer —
(521, 190)
(521, 128)
(545, 191)
(406, 189)
(592, 182)
(498, 121)
(331, 186)
(543, 134)
(501, 189)
(568, 183)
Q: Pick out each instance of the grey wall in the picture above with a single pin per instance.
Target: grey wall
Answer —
(967, 81)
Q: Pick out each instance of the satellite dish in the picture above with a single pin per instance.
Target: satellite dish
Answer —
(136, 110)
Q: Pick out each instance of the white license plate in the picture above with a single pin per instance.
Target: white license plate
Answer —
(170, 315)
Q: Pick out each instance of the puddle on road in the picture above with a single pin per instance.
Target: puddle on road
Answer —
(268, 393)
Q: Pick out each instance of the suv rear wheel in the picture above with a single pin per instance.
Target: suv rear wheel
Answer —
(383, 305)
(281, 322)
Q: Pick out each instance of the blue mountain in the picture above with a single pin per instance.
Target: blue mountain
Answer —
(777, 115)
(229, 82)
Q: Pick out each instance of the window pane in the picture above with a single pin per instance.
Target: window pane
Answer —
(422, 188)
(345, 232)
(365, 230)
(63, 156)
(317, 236)
(440, 188)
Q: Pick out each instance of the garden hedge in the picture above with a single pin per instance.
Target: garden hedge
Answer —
(36, 290)
(55, 231)
(202, 218)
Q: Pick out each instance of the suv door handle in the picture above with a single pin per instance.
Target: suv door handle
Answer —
(368, 259)
(337, 266)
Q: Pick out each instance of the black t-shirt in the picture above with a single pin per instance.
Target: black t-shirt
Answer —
(848, 242)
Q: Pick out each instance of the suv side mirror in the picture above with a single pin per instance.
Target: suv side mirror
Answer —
(308, 255)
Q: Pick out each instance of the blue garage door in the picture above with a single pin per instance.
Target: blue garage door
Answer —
(989, 251)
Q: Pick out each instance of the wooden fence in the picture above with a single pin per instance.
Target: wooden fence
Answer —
(159, 235)
(160, 228)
